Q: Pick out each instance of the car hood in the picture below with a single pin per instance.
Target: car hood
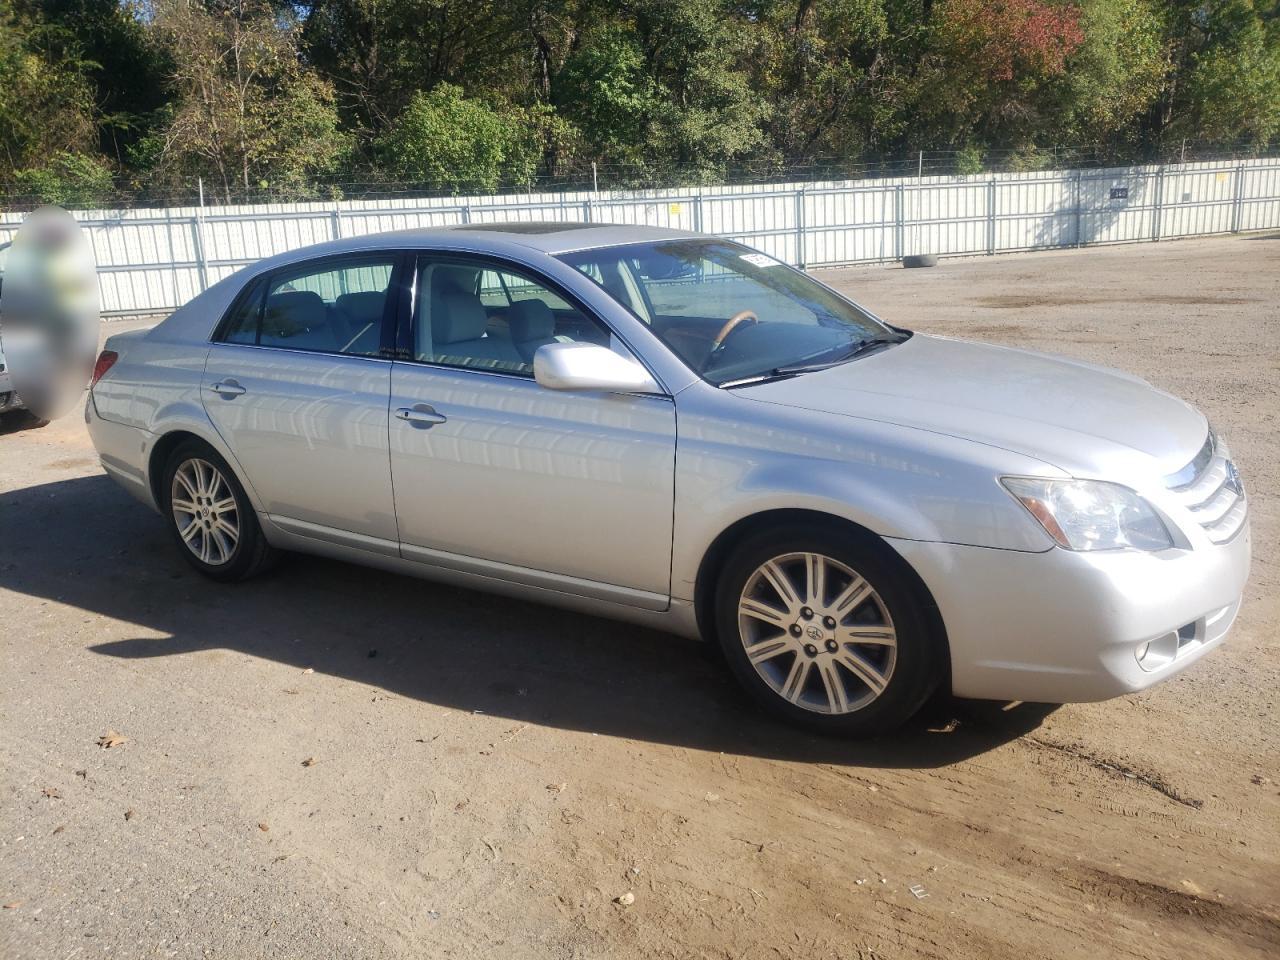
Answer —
(1081, 418)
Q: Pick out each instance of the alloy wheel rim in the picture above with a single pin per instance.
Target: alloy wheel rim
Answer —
(204, 509)
(817, 633)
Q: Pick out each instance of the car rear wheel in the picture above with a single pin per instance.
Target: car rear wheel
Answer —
(210, 516)
(826, 630)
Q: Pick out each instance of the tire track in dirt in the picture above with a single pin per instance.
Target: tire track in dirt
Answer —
(1118, 768)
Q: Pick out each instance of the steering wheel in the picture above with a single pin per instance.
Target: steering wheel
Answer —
(730, 325)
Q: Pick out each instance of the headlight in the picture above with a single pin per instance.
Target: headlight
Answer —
(1091, 514)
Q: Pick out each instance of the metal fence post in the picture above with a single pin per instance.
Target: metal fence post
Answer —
(800, 228)
(1157, 204)
(197, 236)
(897, 222)
(1237, 201)
(1075, 198)
(466, 211)
(697, 212)
(335, 221)
(202, 264)
(586, 210)
(991, 216)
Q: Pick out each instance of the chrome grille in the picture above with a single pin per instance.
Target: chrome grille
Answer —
(1210, 489)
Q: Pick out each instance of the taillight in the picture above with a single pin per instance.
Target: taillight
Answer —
(105, 361)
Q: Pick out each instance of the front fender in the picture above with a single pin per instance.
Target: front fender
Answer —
(897, 482)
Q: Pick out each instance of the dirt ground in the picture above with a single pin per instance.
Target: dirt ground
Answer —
(335, 762)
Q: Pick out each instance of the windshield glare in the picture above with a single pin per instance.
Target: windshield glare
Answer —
(728, 312)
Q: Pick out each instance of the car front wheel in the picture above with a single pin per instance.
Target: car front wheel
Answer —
(827, 630)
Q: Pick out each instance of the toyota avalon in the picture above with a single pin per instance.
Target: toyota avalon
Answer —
(676, 430)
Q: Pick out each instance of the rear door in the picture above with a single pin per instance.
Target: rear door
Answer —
(297, 385)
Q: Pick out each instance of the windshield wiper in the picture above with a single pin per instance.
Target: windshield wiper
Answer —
(862, 349)
(795, 369)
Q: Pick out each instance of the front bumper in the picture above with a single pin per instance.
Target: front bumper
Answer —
(1063, 627)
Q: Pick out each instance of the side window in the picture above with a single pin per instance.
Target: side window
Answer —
(242, 325)
(489, 319)
(334, 308)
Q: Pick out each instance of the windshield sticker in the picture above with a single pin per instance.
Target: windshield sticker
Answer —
(759, 260)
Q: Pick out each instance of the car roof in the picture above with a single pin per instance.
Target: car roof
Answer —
(546, 236)
(549, 238)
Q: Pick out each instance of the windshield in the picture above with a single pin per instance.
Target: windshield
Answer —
(733, 315)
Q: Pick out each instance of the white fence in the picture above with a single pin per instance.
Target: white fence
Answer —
(151, 261)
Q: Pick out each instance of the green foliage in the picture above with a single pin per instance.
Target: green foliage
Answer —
(46, 105)
(247, 115)
(605, 90)
(67, 179)
(445, 139)
(257, 96)
(969, 160)
(1233, 86)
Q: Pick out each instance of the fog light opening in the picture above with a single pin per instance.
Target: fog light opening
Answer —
(1158, 652)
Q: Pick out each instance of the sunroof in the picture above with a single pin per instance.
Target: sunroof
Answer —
(540, 227)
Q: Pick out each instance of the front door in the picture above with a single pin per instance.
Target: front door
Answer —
(297, 389)
(496, 475)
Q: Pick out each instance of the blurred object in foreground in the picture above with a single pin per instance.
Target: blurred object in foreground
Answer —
(49, 312)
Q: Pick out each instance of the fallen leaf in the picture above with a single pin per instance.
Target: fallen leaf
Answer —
(309, 670)
(82, 774)
(309, 762)
(52, 793)
(59, 829)
(627, 899)
(111, 739)
(14, 905)
(557, 787)
(129, 814)
(263, 827)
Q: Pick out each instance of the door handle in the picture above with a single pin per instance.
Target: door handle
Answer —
(227, 388)
(421, 415)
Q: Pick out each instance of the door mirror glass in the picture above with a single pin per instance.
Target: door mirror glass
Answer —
(587, 366)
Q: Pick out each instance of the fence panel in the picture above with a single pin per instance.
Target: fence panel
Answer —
(151, 261)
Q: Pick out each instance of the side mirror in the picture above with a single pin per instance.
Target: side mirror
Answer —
(587, 366)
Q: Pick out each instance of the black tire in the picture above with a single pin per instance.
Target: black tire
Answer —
(919, 652)
(11, 421)
(920, 260)
(251, 553)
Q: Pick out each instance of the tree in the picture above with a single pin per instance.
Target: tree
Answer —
(247, 112)
(46, 104)
(1114, 76)
(1225, 83)
(991, 70)
(445, 140)
(118, 57)
(67, 179)
(380, 53)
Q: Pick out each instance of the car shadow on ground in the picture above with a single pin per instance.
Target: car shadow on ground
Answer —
(83, 542)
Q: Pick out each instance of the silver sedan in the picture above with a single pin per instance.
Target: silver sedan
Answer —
(675, 430)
